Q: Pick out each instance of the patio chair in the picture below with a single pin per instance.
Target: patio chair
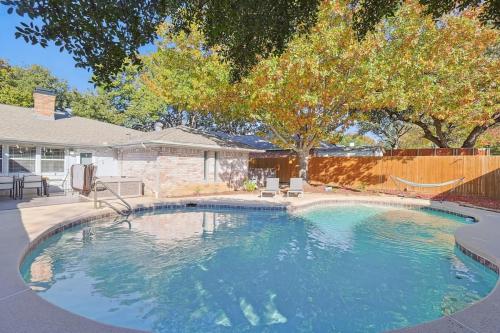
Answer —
(7, 183)
(296, 186)
(31, 182)
(272, 186)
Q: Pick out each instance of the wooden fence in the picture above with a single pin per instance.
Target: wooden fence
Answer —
(285, 167)
(481, 173)
(438, 152)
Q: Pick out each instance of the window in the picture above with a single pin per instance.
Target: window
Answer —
(52, 160)
(22, 159)
(85, 158)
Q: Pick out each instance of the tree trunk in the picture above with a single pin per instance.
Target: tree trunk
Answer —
(437, 140)
(476, 132)
(470, 142)
(303, 164)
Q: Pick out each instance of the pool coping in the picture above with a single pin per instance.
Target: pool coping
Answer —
(476, 240)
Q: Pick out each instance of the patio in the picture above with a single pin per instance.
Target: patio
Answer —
(31, 201)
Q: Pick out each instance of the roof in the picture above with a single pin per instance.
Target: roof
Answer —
(187, 137)
(254, 141)
(349, 151)
(23, 125)
(261, 143)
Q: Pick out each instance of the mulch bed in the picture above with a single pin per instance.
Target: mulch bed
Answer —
(466, 201)
(319, 188)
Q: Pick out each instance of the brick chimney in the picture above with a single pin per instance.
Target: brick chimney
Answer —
(45, 102)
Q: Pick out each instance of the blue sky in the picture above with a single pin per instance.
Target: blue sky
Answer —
(18, 52)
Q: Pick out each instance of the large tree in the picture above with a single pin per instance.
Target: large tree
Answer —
(440, 76)
(386, 127)
(189, 77)
(368, 13)
(183, 72)
(96, 105)
(491, 139)
(128, 101)
(356, 139)
(103, 35)
(304, 96)
(18, 83)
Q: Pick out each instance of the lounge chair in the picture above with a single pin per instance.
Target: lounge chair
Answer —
(296, 186)
(272, 186)
(32, 182)
(7, 183)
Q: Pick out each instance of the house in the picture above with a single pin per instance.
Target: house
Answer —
(347, 151)
(324, 149)
(182, 160)
(254, 141)
(173, 161)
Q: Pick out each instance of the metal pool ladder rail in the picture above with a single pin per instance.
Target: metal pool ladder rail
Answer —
(123, 212)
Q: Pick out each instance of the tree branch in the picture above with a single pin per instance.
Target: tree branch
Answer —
(438, 125)
(428, 134)
(476, 132)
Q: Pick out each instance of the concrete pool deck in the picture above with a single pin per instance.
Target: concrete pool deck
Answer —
(22, 310)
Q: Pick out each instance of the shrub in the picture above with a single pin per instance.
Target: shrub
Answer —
(249, 185)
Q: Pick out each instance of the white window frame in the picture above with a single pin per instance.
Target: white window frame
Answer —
(63, 160)
(23, 159)
(80, 152)
(5, 161)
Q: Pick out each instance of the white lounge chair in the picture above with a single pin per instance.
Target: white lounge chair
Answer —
(296, 186)
(7, 183)
(272, 186)
(32, 182)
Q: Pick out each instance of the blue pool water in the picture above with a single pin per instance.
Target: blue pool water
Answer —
(331, 269)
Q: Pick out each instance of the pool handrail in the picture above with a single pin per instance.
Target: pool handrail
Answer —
(125, 212)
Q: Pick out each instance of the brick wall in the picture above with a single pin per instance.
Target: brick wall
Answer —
(233, 168)
(45, 104)
(181, 171)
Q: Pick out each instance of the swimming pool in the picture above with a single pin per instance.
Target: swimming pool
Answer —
(337, 269)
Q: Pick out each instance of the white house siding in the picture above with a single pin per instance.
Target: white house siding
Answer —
(106, 162)
(104, 158)
(169, 171)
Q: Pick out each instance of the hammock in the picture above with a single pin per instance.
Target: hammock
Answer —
(407, 182)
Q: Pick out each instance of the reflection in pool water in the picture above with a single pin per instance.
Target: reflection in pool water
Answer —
(335, 269)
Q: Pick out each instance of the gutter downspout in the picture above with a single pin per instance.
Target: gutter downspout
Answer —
(157, 186)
